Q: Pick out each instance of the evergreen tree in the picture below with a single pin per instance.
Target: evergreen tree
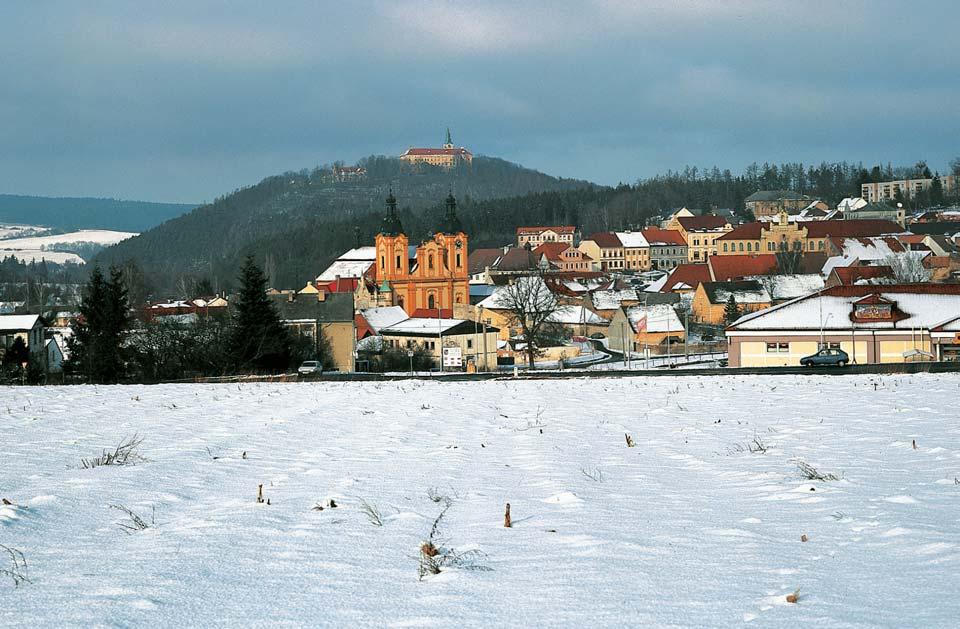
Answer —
(936, 191)
(258, 341)
(17, 354)
(731, 311)
(97, 344)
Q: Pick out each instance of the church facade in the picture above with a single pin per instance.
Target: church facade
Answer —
(431, 276)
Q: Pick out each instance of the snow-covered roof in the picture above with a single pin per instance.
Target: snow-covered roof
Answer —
(16, 323)
(345, 269)
(384, 317)
(576, 315)
(421, 325)
(743, 292)
(922, 310)
(869, 248)
(851, 203)
(499, 300)
(789, 286)
(660, 318)
(657, 285)
(632, 240)
(360, 253)
(612, 299)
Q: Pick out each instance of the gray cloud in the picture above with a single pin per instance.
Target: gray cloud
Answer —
(188, 100)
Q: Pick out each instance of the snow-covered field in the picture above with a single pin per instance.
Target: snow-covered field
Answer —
(36, 255)
(687, 528)
(36, 248)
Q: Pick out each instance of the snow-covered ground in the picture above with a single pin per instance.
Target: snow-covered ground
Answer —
(9, 230)
(36, 248)
(36, 255)
(687, 528)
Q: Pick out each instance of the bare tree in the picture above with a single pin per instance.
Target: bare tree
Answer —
(908, 267)
(529, 303)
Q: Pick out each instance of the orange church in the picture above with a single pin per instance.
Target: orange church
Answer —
(435, 276)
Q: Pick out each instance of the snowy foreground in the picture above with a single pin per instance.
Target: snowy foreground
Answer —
(688, 528)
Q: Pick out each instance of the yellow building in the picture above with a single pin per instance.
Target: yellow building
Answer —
(804, 237)
(710, 300)
(434, 277)
(447, 156)
(871, 323)
(701, 233)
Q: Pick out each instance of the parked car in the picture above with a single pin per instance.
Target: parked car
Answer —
(310, 368)
(826, 358)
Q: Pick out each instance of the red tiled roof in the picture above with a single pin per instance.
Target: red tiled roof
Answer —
(606, 240)
(560, 229)
(551, 249)
(747, 231)
(709, 221)
(340, 285)
(364, 329)
(937, 262)
(851, 274)
(656, 236)
(724, 268)
(428, 151)
(912, 239)
(690, 274)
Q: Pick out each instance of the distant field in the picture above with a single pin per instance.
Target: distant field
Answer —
(36, 248)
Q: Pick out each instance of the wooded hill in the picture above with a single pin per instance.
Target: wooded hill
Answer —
(297, 223)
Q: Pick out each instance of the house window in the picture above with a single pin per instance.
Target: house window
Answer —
(469, 343)
(724, 246)
(778, 348)
(828, 345)
(741, 246)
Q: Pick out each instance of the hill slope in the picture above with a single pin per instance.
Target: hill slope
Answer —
(70, 213)
(299, 221)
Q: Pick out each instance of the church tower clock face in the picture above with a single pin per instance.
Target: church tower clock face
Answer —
(459, 244)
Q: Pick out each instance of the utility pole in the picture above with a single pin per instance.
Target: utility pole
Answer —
(686, 336)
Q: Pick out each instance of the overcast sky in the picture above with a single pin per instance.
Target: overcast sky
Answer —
(184, 101)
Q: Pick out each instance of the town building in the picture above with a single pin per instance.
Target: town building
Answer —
(331, 316)
(904, 188)
(811, 236)
(636, 250)
(536, 236)
(563, 257)
(682, 279)
(434, 276)
(447, 156)
(772, 202)
(700, 234)
(877, 210)
(606, 248)
(668, 249)
(27, 327)
(872, 324)
(496, 265)
(475, 341)
(711, 298)
(640, 328)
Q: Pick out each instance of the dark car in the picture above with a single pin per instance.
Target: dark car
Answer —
(826, 358)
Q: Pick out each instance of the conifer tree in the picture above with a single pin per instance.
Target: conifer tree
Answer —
(258, 341)
(731, 312)
(97, 344)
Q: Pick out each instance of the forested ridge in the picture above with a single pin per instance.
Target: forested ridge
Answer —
(295, 224)
(69, 213)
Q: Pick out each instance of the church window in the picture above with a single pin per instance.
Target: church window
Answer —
(430, 261)
(383, 262)
(398, 263)
(458, 261)
(431, 302)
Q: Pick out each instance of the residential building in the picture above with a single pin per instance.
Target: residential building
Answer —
(27, 327)
(353, 264)
(475, 341)
(772, 202)
(711, 298)
(497, 265)
(668, 249)
(700, 234)
(850, 275)
(877, 210)
(639, 328)
(536, 236)
(448, 156)
(435, 276)
(636, 250)
(871, 323)
(606, 248)
(682, 279)
(562, 257)
(904, 188)
(806, 237)
(330, 315)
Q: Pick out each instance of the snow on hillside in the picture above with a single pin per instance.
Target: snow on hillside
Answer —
(688, 528)
(104, 237)
(36, 255)
(17, 231)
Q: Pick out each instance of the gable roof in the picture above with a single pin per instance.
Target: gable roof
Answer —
(551, 250)
(663, 237)
(746, 231)
(724, 268)
(658, 318)
(690, 274)
(860, 274)
(632, 240)
(702, 223)
(18, 323)
(857, 228)
(744, 292)
(606, 240)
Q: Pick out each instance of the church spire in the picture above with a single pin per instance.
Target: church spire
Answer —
(451, 223)
(449, 139)
(391, 226)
